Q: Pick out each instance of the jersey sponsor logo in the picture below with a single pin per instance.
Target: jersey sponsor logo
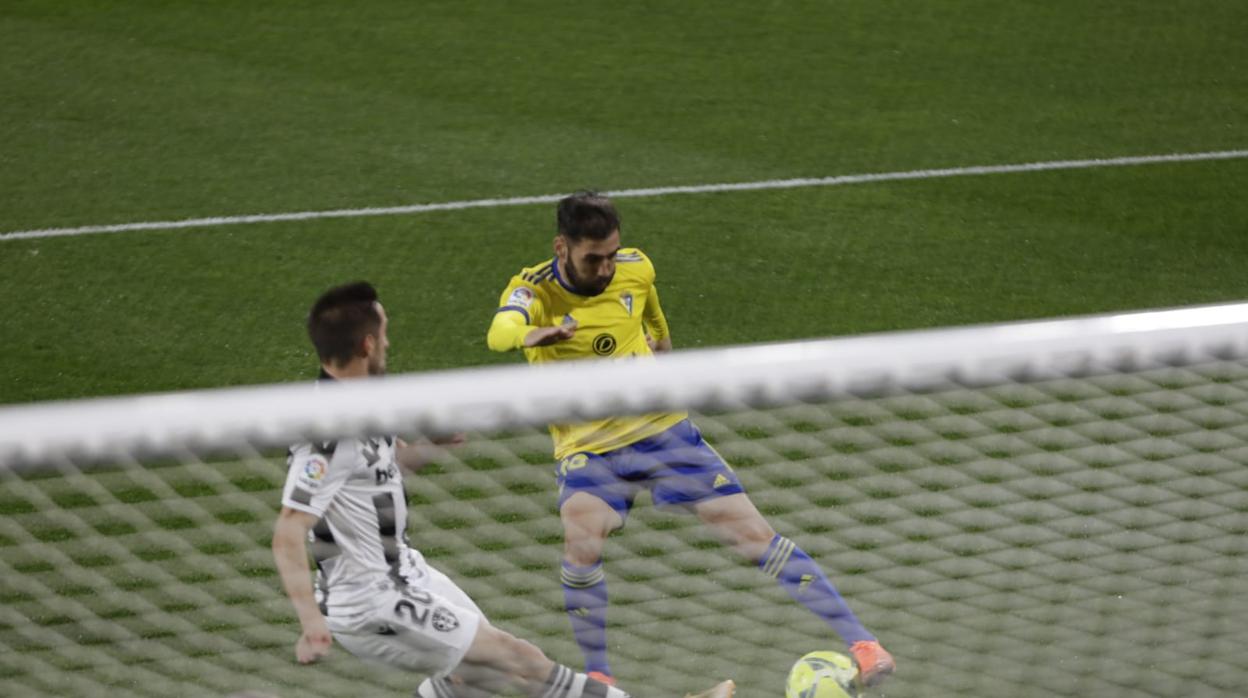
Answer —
(604, 344)
(386, 630)
(444, 620)
(314, 470)
(627, 299)
(521, 296)
(720, 481)
(386, 474)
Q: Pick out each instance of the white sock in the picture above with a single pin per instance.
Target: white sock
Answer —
(435, 688)
(565, 683)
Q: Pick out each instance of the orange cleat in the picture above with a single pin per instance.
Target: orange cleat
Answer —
(601, 677)
(874, 662)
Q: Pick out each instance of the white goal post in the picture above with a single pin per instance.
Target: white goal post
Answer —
(502, 397)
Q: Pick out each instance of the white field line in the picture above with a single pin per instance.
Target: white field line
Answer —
(654, 191)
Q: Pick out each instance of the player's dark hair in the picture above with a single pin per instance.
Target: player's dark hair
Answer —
(340, 320)
(587, 214)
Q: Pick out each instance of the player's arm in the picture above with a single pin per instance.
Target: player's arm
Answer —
(290, 534)
(514, 325)
(510, 330)
(657, 333)
(417, 453)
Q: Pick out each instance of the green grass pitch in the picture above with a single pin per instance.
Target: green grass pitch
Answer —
(150, 111)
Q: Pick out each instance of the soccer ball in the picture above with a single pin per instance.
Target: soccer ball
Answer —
(822, 675)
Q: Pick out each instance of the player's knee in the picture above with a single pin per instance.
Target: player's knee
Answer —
(584, 515)
(585, 533)
(753, 544)
(761, 533)
(749, 537)
(584, 551)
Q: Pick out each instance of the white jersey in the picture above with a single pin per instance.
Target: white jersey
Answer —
(355, 488)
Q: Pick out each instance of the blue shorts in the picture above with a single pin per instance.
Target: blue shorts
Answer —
(676, 465)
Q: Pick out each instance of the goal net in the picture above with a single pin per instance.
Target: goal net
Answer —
(1035, 509)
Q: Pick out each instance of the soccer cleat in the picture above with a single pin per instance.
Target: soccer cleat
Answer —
(723, 689)
(601, 677)
(874, 662)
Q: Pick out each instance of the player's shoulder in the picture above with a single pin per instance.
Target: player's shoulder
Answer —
(631, 255)
(323, 449)
(529, 286)
(533, 284)
(631, 262)
(309, 461)
(536, 274)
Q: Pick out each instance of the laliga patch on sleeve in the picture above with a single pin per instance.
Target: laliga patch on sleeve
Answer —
(521, 297)
(314, 470)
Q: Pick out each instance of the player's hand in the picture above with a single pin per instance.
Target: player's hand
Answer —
(417, 454)
(452, 441)
(543, 336)
(313, 643)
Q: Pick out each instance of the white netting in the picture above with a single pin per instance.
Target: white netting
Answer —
(1027, 510)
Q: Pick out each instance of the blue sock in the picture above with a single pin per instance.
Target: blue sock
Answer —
(585, 597)
(794, 570)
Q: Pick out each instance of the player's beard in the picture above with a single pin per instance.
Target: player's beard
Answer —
(583, 287)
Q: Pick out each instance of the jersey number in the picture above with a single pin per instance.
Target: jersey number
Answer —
(407, 606)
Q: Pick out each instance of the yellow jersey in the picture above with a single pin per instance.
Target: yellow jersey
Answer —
(612, 324)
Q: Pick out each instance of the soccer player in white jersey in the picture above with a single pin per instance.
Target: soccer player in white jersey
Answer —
(376, 596)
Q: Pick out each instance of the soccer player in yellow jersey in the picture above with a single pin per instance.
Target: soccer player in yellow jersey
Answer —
(596, 299)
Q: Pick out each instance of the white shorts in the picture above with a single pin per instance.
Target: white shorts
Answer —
(425, 628)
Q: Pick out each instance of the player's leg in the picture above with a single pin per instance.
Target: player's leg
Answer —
(738, 523)
(498, 659)
(690, 473)
(587, 521)
(593, 502)
(408, 627)
(521, 665)
(453, 686)
(418, 629)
